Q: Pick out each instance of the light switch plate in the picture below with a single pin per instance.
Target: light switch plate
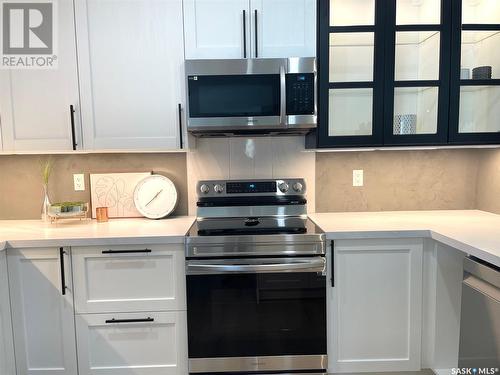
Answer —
(357, 177)
(79, 182)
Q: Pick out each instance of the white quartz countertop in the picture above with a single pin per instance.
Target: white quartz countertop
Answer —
(474, 232)
(35, 233)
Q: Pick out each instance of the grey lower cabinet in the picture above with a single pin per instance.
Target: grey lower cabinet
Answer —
(7, 362)
(130, 310)
(129, 317)
(41, 294)
(374, 305)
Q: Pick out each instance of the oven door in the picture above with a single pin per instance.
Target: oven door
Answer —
(256, 314)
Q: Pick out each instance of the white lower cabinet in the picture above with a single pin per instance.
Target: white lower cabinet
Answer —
(149, 343)
(129, 278)
(42, 316)
(375, 306)
(7, 362)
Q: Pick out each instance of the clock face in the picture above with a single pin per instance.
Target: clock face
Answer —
(155, 197)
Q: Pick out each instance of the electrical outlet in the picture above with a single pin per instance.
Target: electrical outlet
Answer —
(357, 177)
(79, 182)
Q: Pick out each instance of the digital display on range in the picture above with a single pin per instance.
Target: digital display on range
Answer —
(250, 187)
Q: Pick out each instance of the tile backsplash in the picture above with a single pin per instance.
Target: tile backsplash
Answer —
(393, 180)
(398, 180)
(488, 181)
(21, 189)
(240, 158)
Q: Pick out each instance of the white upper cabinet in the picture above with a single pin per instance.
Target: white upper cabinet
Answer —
(42, 316)
(35, 103)
(131, 73)
(235, 29)
(283, 28)
(375, 306)
(217, 29)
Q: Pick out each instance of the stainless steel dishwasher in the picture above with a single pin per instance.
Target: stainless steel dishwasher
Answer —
(480, 320)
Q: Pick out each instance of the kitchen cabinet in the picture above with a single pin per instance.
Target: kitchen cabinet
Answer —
(131, 75)
(216, 29)
(393, 70)
(475, 77)
(285, 28)
(42, 311)
(130, 303)
(374, 305)
(229, 29)
(149, 343)
(35, 104)
(129, 278)
(7, 361)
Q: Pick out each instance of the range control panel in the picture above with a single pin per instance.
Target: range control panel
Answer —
(227, 188)
(300, 94)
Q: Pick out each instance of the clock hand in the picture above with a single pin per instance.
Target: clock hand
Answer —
(156, 196)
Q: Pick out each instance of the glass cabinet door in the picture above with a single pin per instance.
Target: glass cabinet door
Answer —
(417, 84)
(475, 96)
(351, 88)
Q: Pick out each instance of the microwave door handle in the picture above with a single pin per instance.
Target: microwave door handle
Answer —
(316, 265)
(283, 95)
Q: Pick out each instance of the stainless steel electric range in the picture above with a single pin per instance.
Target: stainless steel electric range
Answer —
(256, 288)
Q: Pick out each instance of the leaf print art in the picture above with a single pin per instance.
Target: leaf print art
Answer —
(115, 191)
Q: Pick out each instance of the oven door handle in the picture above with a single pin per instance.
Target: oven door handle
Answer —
(297, 265)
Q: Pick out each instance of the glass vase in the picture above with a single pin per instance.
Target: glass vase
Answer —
(45, 204)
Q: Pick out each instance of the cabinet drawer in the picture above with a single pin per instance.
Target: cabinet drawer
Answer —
(147, 343)
(129, 278)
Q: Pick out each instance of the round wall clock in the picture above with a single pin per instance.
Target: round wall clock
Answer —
(155, 196)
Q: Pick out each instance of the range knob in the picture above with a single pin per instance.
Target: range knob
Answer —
(205, 189)
(283, 187)
(298, 187)
(218, 188)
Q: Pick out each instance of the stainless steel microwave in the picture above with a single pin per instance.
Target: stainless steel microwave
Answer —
(251, 96)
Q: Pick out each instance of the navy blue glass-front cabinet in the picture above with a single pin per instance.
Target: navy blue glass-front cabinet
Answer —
(389, 73)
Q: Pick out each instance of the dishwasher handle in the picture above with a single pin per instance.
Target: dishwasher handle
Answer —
(483, 287)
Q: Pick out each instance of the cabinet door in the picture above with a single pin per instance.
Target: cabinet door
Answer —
(35, 103)
(417, 73)
(131, 73)
(351, 75)
(375, 306)
(217, 29)
(43, 318)
(475, 73)
(283, 28)
(152, 343)
(129, 278)
(7, 361)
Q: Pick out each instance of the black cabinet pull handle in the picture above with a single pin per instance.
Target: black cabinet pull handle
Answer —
(256, 35)
(117, 321)
(179, 108)
(244, 34)
(126, 251)
(73, 131)
(333, 264)
(63, 273)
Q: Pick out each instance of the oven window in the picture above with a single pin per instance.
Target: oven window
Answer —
(241, 315)
(234, 95)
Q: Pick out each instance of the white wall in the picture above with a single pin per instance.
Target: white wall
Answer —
(247, 158)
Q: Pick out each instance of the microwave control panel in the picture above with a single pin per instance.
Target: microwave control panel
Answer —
(300, 94)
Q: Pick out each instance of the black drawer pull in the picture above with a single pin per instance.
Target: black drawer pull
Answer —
(145, 320)
(333, 263)
(126, 251)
